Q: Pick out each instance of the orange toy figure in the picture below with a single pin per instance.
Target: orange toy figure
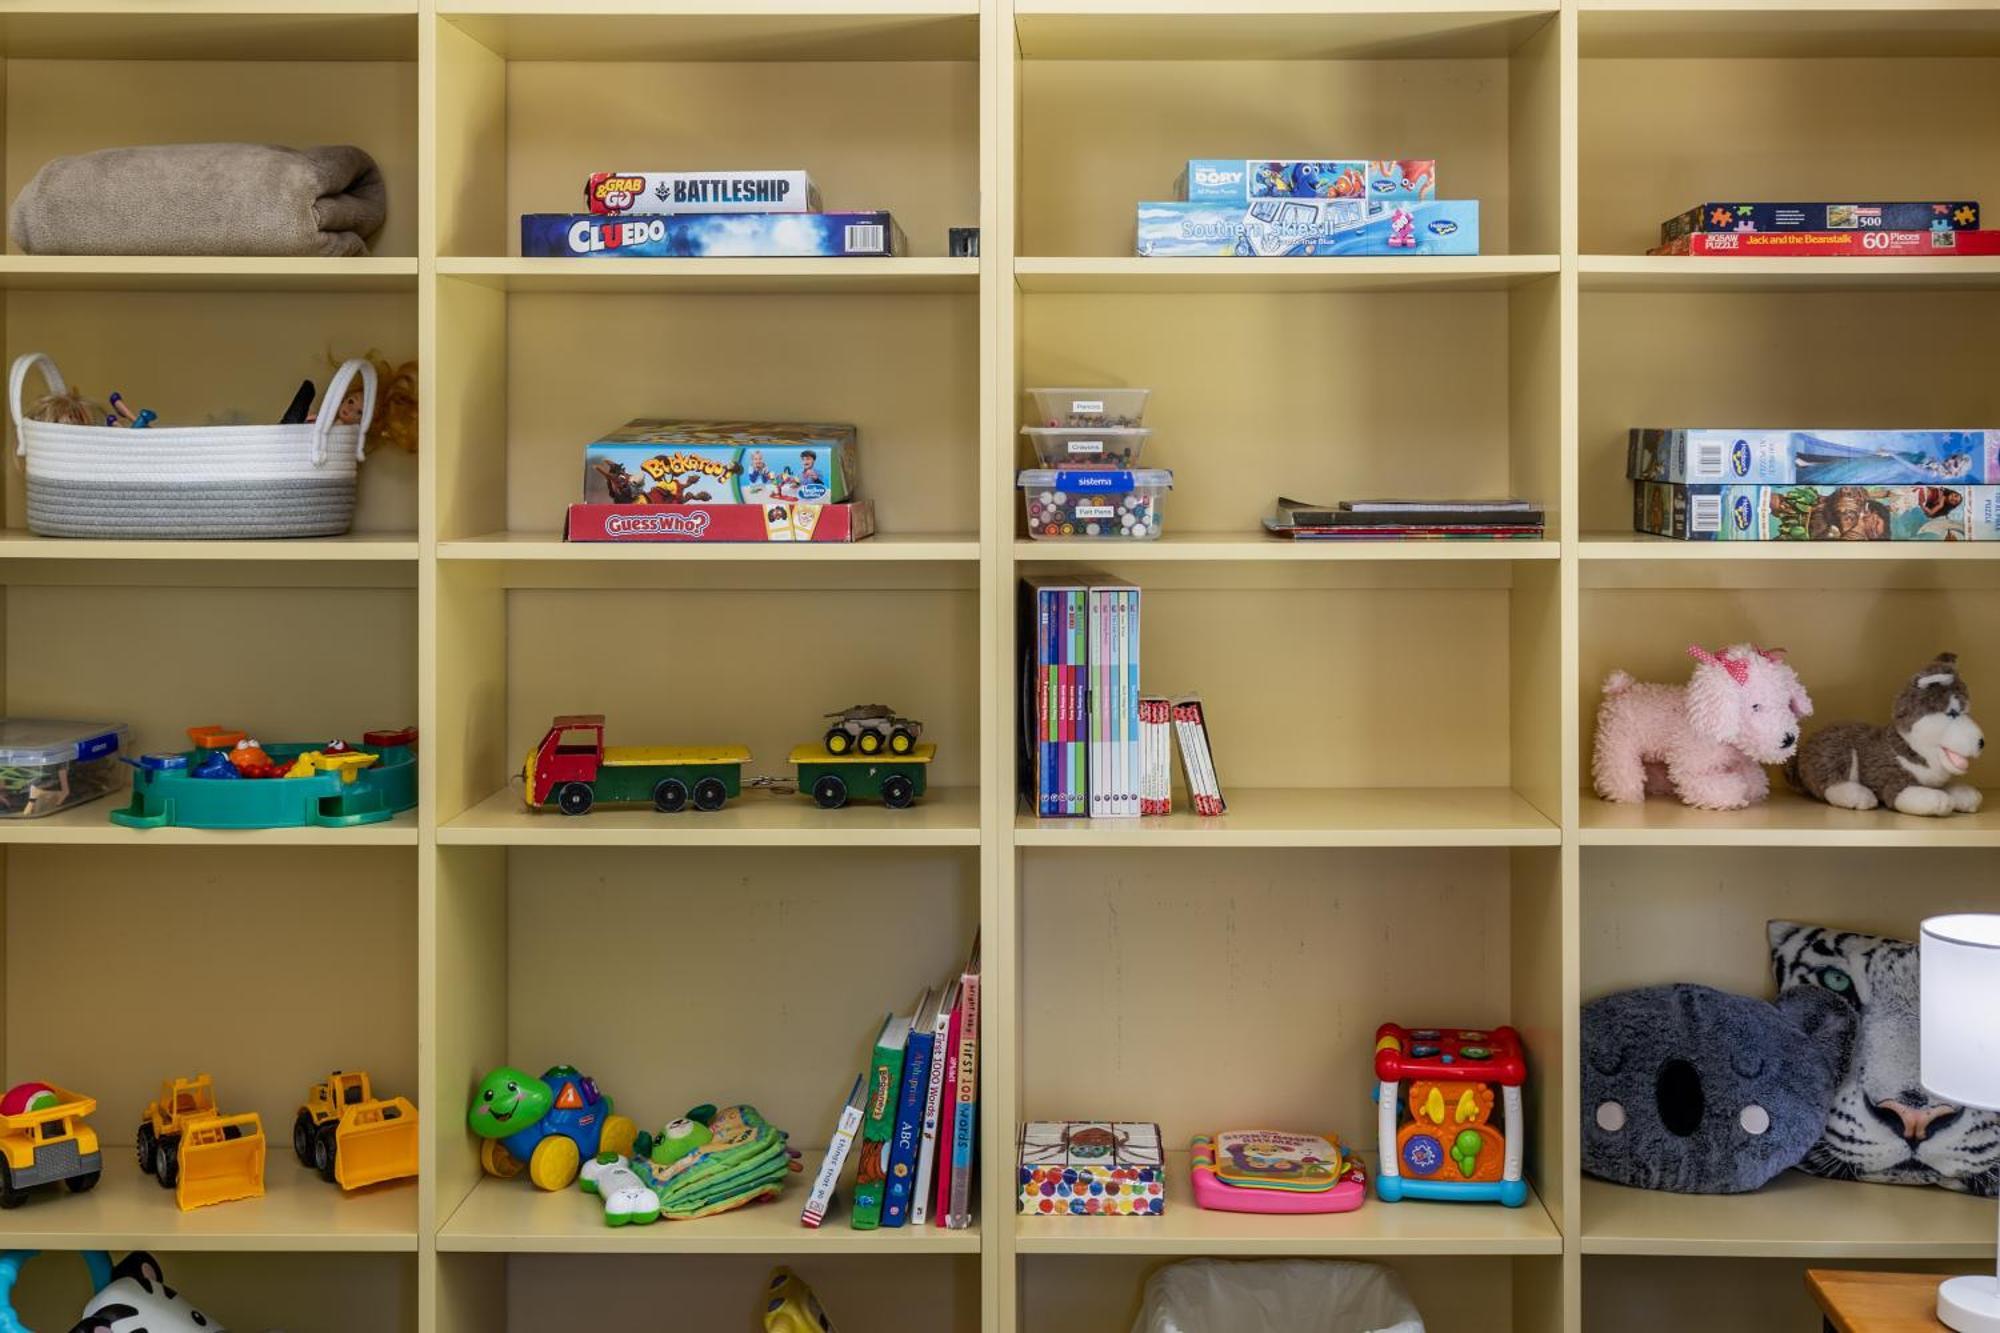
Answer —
(1440, 1141)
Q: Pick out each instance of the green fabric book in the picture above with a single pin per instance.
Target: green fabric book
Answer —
(878, 1125)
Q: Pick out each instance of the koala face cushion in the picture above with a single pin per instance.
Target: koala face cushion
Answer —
(1883, 1127)
(138, 1300)
(1698, 1091)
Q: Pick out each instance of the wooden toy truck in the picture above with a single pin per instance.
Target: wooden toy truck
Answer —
(572, 770)
(350, 1137)
(197, 1152)
(834, 780)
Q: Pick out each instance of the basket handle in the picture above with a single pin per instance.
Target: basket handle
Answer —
(17, 379)
(329, 410)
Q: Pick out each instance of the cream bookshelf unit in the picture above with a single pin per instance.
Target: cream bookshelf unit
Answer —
(1404, 729)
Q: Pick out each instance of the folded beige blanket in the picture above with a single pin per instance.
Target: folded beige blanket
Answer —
(203, 199)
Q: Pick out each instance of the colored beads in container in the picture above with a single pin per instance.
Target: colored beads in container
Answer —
(1100, 503)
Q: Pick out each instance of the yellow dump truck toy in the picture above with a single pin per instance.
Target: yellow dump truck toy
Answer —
(197, 1152)
(43, 1139)
(351, 1138)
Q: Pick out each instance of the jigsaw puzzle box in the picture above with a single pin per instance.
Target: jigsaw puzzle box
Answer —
(1953, 215)
(1816, 513)
(1215, 180)
(1286, 228)
(1816, 457)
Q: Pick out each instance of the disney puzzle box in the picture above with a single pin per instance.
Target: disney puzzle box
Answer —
(663, 462)
(1821, 457)
(711, 236)
(1215, 180)
(1817, 513)
(1950, 215)
(1296, 227)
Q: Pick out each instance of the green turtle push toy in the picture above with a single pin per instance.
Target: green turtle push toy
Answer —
(550, 1124)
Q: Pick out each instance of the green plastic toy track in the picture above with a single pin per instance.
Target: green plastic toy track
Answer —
(380, 792)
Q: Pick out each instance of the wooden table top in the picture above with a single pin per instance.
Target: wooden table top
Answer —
(1876, 1302)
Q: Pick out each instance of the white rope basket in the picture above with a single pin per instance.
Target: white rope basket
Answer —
(192, 481)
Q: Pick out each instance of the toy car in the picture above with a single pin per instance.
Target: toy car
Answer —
(552, 1124)
(572, 769)
(350, 1137)
(194, 1150)
(834, 780)
(43, 1139)
(871, 729)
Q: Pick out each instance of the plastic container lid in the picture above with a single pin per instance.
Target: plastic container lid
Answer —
(1084, 444)
(1096, 479)
(31, 741)
(1090, 406)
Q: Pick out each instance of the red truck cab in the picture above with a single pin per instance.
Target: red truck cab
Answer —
(572, 751)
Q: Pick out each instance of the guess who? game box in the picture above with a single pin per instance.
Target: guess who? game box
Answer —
(615, 192)
(762, 235)
(1817, 513)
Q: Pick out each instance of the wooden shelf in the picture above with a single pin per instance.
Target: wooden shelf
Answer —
(1784, 30)
(177, 273)
(511, 1216)
(720, 30)
(1795, 1216)
(298, 1211)
(100, 30)
(945, 817)
(1272, 29)
(1637, 546)
(820, 277)
(1689, 273)
(1133, 276)
(1229, 546)
(1318, 817)
(550, 549)
(90, 824)
(1785, 820)
(1374, 1229)
(18, 544)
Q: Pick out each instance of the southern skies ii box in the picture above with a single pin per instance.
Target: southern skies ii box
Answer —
(1817, 513)
(711, 236)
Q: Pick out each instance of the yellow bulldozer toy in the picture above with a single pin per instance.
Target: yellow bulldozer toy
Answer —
(197, 1152)
(353, 1139)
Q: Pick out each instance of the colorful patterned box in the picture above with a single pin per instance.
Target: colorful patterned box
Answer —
(1092, 1168)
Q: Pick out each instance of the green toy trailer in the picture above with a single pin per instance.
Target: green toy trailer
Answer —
(834, 780)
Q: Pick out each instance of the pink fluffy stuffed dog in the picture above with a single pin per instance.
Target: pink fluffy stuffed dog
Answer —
(1707, 741)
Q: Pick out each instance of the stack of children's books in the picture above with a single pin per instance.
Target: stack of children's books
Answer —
(1091, 744)
(1875, 230)
(1407, 520)
(1816, 485)
(911, 1121)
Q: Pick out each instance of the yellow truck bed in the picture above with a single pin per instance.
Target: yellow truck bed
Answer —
(628, 756)
(812, 752)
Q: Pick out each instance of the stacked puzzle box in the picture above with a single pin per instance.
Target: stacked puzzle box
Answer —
(707, 215)
(1277, 208)
(1872, 230)
(1816, 485)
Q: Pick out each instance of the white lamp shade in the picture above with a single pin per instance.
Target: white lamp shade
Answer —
(1960, 989)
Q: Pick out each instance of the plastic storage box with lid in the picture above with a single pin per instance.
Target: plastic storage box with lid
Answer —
(1075, 446)
(46, 764)
(1094, 502)
(1090, 407)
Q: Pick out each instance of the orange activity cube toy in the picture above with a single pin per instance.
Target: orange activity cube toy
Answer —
(1439, 1141)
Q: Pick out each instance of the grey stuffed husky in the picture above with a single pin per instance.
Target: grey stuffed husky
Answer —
(1913, 765)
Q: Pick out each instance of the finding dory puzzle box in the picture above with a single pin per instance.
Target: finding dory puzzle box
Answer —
(1817, 513)
(1267, 228)
(661, 462)
(1212, 180)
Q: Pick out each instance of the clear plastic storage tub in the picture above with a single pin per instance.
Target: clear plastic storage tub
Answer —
(46, 765)
(1072, 446)
(1090, 407)
(1094, 502)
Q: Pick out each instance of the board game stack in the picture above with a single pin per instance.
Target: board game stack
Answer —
(1877, 229)
(1815, 485)
(1289, 208)
(707, 215)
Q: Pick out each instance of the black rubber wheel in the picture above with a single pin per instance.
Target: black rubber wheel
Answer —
(9, 1196)
(574, 798)
(869, 742)
(324, 1150)
(670, 796)
(829, 793)
(146, 1148)
(167, 1161)
(84, 1183)
(898, 792)
(901, 741)
(710, 794)
(302, 1138)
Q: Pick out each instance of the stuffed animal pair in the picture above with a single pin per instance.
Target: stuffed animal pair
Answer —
(1707, 742)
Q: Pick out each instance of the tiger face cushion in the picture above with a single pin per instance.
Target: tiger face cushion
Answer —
(1884, 1127)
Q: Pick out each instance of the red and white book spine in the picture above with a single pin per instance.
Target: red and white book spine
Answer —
(1157, 746)
(1834, 244)
(965, 1125)
(947, 1113)
(1191, 725)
